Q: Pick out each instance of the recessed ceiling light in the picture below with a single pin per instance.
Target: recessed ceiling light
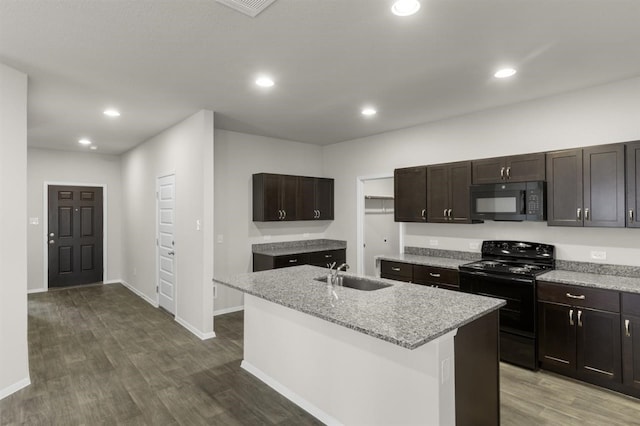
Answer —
(368, 111)
(505, 72)
(84, 142)
(264, 81)
(93, 148)
(405, 7)
(112, 112)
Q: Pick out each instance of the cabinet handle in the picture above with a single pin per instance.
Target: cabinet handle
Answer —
(284, 214)
(571, 317)
(319, 214)
(395, 269)
(449, 214)
(424, 212)
(434, 275)
(579, 213)
(502, 173)
(627, 331)
(573, 296)
(508, 172)
(630, 215)
(327, 256)
(293, 260)
(444, 213)
(579, 318)
(586, 214)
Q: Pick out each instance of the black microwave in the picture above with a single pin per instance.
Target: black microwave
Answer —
(509, 201)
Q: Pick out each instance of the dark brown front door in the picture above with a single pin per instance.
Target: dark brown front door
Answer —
(75, 235)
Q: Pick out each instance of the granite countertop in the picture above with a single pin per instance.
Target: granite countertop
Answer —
(607, 282)
(297, 247)
(441, 262)
(407, 315)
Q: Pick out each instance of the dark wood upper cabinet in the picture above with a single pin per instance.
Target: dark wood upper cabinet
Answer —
(285, 198)
(515, 168)
(315, 198)
(633, 184)
(448, 192)
(410, 194)
(585, 187)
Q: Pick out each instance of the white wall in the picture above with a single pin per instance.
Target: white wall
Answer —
(237, 157)
(600, 115)
(14, 357)
(78, 168)
(185, 149)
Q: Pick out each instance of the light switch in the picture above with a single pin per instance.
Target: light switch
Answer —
(220, 238)
(34, 220)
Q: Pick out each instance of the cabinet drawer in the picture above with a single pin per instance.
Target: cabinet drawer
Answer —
(631, 304)
(322, 258)
(606, 300)
(396, 269)
(291, 260)
(433, 275)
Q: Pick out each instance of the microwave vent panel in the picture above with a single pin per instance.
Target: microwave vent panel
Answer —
(249, 7)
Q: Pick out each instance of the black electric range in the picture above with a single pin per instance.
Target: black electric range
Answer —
(508, 271)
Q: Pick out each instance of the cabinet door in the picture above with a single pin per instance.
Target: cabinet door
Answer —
(306, 208)
(266, 197)
(604, 186)
(437, 193)
(459, 181)
(557, 336)
(631, 351)
(398, 271)
(322, 258)
(324, 198)
(410, 194)
(288, 195)
(525, 168)
(564, 188)
(633, 184)
(488, 170)
(598, 345)
(290, 260)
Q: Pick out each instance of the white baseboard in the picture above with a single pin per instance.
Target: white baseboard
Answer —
(228, 310)
(290, 395)
(192, 329)
(139, 293)
(14, 387)
(37, 290)
(112, 282)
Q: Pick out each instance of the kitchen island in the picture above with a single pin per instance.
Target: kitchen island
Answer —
(403, 354)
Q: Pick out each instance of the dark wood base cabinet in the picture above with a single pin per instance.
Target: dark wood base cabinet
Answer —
(263, 262)
(431, 276)
(590, 334)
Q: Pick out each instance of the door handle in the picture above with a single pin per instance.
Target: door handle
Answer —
(627, 331)
(571, 317)
(579, 318)
(171, 253)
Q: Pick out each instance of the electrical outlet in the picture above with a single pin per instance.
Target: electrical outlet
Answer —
(433, 242)
(598, 254)
(474, 246)
(215, 291)
(198, 224)
(267, 237)
(220, 238)
(305, 235)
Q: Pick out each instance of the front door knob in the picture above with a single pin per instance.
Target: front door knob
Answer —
(52, 234)
(51, 241)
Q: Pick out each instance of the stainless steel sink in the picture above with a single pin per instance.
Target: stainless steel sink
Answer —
(358, 283)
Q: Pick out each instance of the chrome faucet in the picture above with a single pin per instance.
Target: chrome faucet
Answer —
(336, 279)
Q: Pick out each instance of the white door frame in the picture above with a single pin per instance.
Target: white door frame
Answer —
(360, 220)
(45, 227)
(175, 261)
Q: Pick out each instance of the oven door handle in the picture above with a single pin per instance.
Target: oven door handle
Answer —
(498, 277)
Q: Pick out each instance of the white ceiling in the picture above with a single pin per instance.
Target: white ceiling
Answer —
(160, 61)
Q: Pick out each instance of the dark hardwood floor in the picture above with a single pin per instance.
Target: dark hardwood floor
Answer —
(102, 355)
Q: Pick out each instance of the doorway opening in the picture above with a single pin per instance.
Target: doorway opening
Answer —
(75, 235)
(378, 233)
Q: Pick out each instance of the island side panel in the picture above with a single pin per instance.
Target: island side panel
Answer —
(477, 359)
(345, 377)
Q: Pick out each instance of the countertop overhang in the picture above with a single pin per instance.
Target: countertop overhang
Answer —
(407, 315)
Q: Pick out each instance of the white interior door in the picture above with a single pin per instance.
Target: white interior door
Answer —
(166, 263)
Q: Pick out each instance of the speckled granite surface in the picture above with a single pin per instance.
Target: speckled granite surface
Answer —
(441, 262)
(451, 254)
(599, 268)
(407, 315)
(609, 282)
(295, 247)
